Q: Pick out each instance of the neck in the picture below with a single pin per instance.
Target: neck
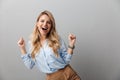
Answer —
(43, 38)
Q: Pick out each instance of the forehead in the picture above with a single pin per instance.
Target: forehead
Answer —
(45, 17)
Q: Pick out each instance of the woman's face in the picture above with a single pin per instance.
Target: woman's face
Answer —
(44, 25)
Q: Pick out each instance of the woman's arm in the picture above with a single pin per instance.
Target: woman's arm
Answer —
(66, 53)
(25, 54)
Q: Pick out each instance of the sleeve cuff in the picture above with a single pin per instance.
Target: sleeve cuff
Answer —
(68, 57)
(25, 56)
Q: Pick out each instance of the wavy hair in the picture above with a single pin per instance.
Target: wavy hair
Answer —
(53, 37)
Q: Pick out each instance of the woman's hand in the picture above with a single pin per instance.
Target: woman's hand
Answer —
(21, 44)
(72, 40)
(71, 45)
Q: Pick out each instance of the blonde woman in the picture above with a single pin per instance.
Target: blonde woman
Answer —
(48, 51)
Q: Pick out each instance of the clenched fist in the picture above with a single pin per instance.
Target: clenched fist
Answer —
(72, 40)
(21, 44)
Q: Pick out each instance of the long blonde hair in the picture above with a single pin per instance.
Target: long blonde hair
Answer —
(53, 38)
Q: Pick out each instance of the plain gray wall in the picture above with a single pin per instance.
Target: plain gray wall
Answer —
(96, 23)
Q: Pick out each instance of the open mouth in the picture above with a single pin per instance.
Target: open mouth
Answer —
(44, 28)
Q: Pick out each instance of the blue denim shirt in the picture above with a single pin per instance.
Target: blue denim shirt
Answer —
(45, 59)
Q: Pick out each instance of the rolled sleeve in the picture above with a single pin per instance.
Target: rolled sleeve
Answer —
(68, 57)
(65, 55)
(28, 61)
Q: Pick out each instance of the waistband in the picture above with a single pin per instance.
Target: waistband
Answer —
(59, 71)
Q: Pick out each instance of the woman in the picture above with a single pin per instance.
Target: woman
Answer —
(47, 50)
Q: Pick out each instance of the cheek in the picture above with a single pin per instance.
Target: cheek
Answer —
(39, 29)
(39, 24)
(50, 28)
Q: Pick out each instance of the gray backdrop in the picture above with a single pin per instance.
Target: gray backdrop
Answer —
(96, 23)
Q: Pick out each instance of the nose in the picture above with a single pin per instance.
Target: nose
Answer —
(45, 23)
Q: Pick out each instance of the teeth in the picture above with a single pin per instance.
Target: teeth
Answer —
(44, 28)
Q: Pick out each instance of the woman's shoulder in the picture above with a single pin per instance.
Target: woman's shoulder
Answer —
(61, 40)
(29, 45)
